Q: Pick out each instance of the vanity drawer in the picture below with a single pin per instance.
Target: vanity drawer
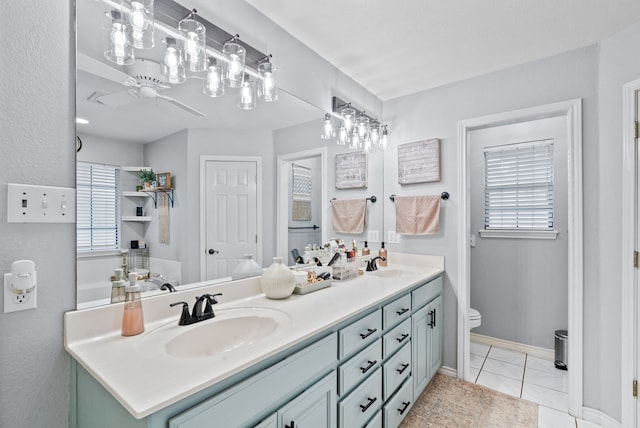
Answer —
(356, 409)
(397, 408)
(360, 333)
(426, 293)
(396, 369)
(376, 422)
(396, 311)
(397, 337)
(359, 367)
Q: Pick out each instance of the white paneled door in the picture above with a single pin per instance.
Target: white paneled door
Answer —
(230, 215)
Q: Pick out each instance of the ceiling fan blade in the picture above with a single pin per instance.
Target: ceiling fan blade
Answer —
(100, 69)
(182, 105)
(114, 99)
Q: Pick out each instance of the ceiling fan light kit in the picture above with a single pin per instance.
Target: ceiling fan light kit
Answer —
(190, 52)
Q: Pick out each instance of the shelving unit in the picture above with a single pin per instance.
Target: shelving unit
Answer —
(135, 194)
(142, 219)
(153, 194)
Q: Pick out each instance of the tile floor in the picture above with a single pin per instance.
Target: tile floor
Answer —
(528, 377)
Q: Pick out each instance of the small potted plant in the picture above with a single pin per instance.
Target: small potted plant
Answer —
(147, 176)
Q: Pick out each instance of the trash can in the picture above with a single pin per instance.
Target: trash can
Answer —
(561, 349)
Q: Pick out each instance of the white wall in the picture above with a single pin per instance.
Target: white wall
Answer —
(38, 147)
(435, 113)
(520, 286)
(298, 238)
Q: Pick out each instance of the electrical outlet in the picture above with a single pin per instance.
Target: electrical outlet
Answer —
(393, 237)
(373, 236)
(14, 302)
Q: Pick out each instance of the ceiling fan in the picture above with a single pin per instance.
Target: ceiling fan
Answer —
(145, 78)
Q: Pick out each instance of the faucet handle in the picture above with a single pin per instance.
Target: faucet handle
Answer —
(185, 318)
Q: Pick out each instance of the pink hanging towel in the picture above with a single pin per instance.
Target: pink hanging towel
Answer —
(417, 215)
(349, 215)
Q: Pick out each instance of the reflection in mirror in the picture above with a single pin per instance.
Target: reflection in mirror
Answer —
(167, 234)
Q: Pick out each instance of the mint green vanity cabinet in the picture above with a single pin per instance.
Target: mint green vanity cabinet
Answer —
(399, 405)
(362, 403)
(376, 422)
(359, 367)
(435, 336)
(270, 422)
(315, 408)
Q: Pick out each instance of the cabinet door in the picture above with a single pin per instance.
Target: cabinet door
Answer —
(419, 343)
(270, 422)
(435, 336)
(314, 408)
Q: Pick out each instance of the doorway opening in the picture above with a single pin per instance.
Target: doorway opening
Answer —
(571, 111)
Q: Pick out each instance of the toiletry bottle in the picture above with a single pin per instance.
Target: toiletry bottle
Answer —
(365, 250)
(132, 318)
(117, 286)
(382, 253)
(355, 249)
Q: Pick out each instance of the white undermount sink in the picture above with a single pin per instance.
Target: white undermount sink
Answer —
(231, 330)
(389, 273)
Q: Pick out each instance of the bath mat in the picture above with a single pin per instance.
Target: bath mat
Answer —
(449, 402)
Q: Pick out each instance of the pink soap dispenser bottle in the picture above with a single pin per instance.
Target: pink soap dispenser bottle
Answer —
(132, 318)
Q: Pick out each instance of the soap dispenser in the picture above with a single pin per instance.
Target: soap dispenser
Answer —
(132, 318)
(365, 250)
(382, 253)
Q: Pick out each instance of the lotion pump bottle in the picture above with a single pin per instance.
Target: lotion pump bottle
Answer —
(365, 250)
(132, 318)
(382, 253)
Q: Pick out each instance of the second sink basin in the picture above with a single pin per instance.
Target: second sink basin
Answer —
(389, 273)
(231, 330)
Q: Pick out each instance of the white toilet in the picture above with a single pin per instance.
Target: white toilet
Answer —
(475, 319)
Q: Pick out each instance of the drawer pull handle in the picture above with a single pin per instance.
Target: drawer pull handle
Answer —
(404, 367)
(293, 424)
(405, 404)
(371, 401)
(402, 338)
(402, 311)
(432, 317)
(371, 364)
(369, 332)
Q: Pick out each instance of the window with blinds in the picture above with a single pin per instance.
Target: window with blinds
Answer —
(98, 207)
(518, 186)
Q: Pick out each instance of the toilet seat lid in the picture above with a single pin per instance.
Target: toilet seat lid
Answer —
(474, 314)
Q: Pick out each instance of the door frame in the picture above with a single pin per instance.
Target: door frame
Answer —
(282, 213)
(629, 304)
(572, 110)
(203, 195)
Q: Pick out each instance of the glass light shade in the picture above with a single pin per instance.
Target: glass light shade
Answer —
(366, 145)
(362, 125)
(348, 116)
(214, 82)
(327, 128)
(173, 68)
(248, 95)
(343, 135)
(117, 40)
(141, 22)
(384, 140)
(374, 132)
(268, 88)
(193, 36)
(234, 55)
(356, 142)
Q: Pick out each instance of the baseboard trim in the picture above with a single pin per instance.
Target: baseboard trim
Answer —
(600, 418)
(547, 354)
(448, 371)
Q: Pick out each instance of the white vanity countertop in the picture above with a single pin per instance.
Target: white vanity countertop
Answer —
(145, 380)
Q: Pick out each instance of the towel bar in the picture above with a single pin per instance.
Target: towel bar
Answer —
(373, 199)
(443, 195)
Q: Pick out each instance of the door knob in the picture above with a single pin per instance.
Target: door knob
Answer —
(212, 251)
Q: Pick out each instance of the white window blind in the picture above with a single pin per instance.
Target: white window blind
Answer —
(98, 207)
(518, 186)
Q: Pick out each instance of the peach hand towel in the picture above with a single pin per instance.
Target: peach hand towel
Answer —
(417, 215)
(349, 215)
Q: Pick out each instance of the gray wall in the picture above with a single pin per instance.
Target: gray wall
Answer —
(520, 286)
(298, 238)
(38, 147)
(435, 114)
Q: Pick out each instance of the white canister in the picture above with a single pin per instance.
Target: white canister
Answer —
(246, 268)
(300, 277)
(277, 281)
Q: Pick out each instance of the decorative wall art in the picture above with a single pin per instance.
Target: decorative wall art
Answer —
(419, 162)
(351, 170)
(163, 180)
(301, 193)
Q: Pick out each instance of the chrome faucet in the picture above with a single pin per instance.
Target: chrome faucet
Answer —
(371, 264)
(198, 314)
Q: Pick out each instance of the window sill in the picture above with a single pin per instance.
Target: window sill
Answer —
(90, 254)
(519, 234)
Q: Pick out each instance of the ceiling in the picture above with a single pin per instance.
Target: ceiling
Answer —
(141, 120)
(394, 48)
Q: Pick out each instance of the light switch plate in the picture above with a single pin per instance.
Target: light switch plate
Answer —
(27, 203)
(373, 236)
(393, 237)
(18, 302)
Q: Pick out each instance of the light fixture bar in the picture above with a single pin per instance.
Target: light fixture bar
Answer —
(337, 104)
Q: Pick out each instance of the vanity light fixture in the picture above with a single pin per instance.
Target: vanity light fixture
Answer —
(141, 21)
(214, 82)
(173, 69)
(268, 87)
(247, 94)
(357, 129)
(327, 128)
(118, 46)
(193, 36)
(234, 55)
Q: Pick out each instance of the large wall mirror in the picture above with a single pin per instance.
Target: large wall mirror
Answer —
(137, 121)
